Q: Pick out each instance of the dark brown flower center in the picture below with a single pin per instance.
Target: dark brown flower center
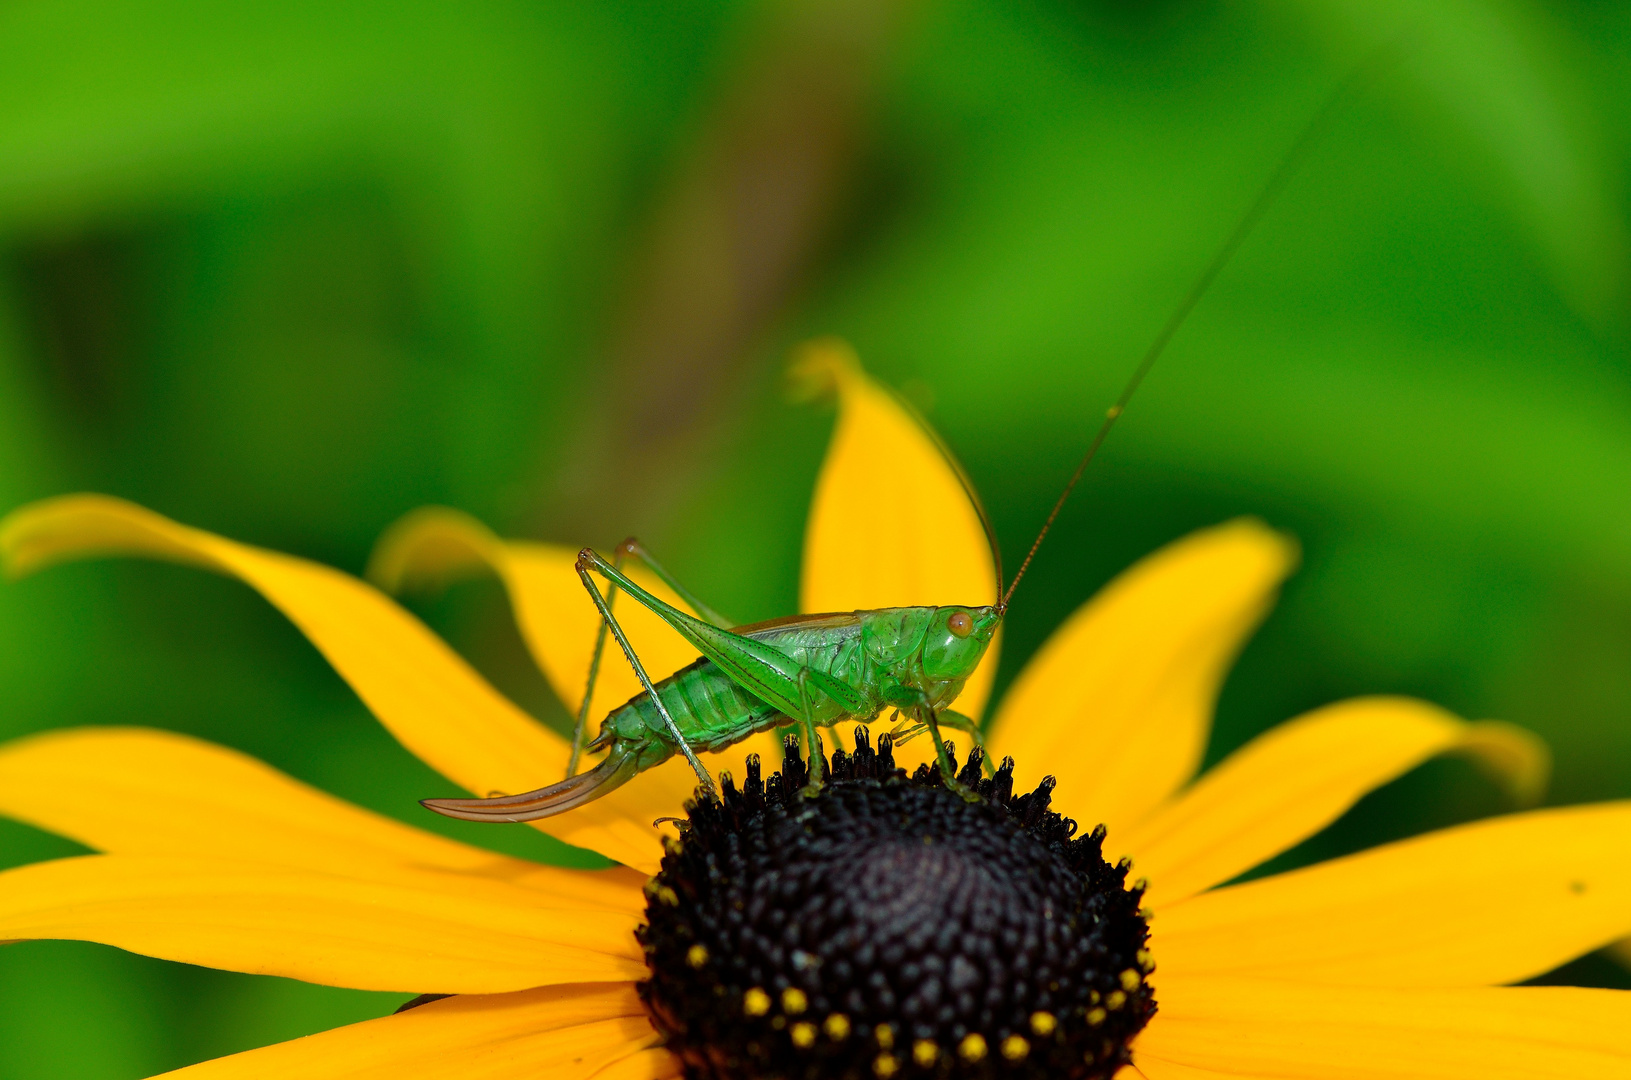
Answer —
(892, 926)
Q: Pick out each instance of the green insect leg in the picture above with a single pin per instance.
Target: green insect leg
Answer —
(931, 720)
(812, 742)
(630, 548)
(594, 668)
(909, 729)
(958, 722)
(645, 681)
(638, 550)
(760, 669)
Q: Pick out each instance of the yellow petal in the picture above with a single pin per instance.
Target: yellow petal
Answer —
(1154, 1068)
(891, 524)
(422, 691)
(1118, 702)
(1290, 783)
(427, 696)
(139, 791)
(556, 617)
(439, 933)
(1244, 1027)
(560, 1032)
(652, 1064)
(1496, 901)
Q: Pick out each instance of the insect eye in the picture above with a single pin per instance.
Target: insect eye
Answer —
(960, 624)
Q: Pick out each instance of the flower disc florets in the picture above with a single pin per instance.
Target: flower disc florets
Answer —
(891, 926)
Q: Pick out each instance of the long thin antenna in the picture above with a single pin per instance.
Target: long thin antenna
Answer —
(962, 477)
(1254, 213)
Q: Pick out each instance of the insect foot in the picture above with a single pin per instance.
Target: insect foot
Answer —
(886, 926)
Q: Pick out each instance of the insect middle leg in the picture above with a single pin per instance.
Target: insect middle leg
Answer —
(629, 548)
(812, 742)
(706, 780)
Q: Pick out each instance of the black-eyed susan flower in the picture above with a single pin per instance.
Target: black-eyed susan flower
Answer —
(888, 926)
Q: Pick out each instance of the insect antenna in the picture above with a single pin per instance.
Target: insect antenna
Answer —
(956, 467)
(1271, 189)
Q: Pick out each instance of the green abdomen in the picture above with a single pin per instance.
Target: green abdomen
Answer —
(711, 711)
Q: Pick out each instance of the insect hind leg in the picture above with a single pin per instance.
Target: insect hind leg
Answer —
(594, 666)
(631, 548)
(587, 558)
(636, 550)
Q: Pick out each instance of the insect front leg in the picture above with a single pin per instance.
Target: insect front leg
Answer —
(812, 741)
(645, 680)
(932, 721)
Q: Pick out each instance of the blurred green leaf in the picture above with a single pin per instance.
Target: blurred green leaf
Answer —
(1499, 84)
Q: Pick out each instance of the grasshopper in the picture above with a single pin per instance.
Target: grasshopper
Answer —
(814, 671)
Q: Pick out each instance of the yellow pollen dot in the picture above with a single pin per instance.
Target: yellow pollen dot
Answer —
(1043, 1023)
(1146, 962)
(755, 1002)
(1093, 997)
(666, 895)
(885, 1034)
(972, 1048)
(1014, 1048)
(1096, 1017)
(1115, 999)
(837, 1026)
(804, 1035)
(925, 1052)
(885, 1065)
(1131, 980)
(794, 1001)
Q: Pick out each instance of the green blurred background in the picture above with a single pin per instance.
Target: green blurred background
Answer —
(287, 271)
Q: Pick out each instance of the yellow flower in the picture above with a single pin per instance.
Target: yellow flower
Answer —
(1386, 964)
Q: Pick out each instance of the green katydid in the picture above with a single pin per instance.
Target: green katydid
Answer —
(818, 670)
(811, 670)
